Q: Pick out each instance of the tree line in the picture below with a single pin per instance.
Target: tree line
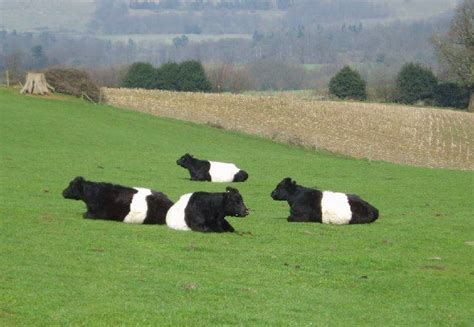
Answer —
(208, 5)
(282, 60)
(414, 84)
(381, 50)
(227, 17)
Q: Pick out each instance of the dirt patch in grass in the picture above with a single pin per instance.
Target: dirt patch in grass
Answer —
(190, 286)
(419, 136)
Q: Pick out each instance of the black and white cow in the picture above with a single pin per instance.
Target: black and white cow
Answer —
(311, 205)
(206, 212)
(120, 203)
(213, 171)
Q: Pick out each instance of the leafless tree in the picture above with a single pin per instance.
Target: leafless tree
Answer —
(456, 49)
(14, 65)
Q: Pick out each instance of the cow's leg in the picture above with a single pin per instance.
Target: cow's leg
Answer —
(297, 219)
(226, 227)
(87, 215)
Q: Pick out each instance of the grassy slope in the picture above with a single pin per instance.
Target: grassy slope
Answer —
(413, 266)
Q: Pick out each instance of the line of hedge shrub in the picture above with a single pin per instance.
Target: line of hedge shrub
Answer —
(186, 76)
(414, 84)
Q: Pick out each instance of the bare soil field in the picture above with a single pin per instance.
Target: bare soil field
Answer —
(418, 136)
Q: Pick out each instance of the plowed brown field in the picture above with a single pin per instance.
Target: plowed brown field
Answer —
(401, 134)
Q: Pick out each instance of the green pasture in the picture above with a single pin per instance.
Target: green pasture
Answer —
(414, 266)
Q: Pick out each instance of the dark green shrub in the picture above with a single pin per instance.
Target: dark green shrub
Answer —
(348, 84)
(166, 77)
(415, 83)
(450, 94)
(192, 78)
(187, 76)
(140, 75)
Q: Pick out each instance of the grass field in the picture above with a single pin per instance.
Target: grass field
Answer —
(414, 266)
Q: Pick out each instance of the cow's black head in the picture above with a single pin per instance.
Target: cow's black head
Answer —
(185, 161)
(284, 189)
(75, 189)
(234, 204)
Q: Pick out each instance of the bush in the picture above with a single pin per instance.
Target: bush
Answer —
(72, 81)
(140, 75)
(192, 78)
(186, 76)
(415, 83)
(451, 95)
(348, 84)
(165, 78)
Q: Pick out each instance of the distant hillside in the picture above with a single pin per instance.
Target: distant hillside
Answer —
(199, 4)
(419, 9)
(408, 9)
(74, 16)
(36, 16)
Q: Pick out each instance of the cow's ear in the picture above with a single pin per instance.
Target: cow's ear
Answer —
(287, 180)
(79, 179)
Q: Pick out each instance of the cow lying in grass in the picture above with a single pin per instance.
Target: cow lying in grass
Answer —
(213, 171)
(311, 205)
(205, 212)
(119, 203)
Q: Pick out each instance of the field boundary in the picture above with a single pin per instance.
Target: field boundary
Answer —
(419, 136)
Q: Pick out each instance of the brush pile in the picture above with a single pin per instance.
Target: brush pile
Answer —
(74, 82)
